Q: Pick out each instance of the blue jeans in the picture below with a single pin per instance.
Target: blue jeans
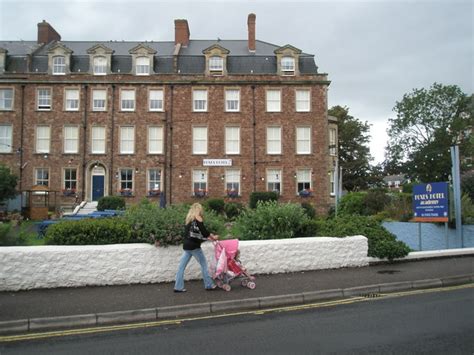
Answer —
(199, 256)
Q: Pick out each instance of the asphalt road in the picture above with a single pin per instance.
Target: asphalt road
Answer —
(434, 322)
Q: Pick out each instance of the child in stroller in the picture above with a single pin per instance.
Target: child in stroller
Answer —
(228, 265)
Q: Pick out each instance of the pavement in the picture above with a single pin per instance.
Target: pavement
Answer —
(44, 309)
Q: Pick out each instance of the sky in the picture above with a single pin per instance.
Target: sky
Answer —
(373, 51)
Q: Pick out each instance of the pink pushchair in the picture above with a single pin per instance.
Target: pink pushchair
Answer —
(228, 267)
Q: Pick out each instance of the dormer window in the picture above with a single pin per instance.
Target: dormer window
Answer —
(216, 65)
(100, 66)
(143, 66)
(59, 65)
(288, 65)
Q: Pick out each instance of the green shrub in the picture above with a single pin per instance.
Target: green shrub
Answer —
(263, 196)
(90, 232)
(400, 207)
(375, 201)
(233, 210)
(408, 188)
(352, 204)
(308, 209)
(382, 243)
(14, 235)
(270, 220)
(111, 203)
(150, 223)
(215, 204)
(467, 208)
(5, 237)
(467, 185)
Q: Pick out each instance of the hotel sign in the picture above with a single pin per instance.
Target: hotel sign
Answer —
(430, 202)
(217, 162)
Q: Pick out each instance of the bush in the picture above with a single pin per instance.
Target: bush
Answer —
(375, 201)
(90, 232)
(382, 243)
(352, 204)
(263, 196)
(215, 204)
(270, 220)
(15, 236)
(467, 185)
(408, 188)
(400, 207)
(111, 203)
(467, 208)
(233, 210)
(308, 209)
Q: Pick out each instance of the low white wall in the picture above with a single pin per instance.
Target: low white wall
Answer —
(24, 268)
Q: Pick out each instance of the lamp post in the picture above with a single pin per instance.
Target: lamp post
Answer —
(457, 191)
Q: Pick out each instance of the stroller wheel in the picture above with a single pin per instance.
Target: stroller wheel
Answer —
(226, 287)
(251, 285)
(219, 283)
(244, 283)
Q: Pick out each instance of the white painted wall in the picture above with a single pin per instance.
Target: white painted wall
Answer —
(23, 268)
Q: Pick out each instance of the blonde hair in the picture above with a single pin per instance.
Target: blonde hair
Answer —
(195, 211)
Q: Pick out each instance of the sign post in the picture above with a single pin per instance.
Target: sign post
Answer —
(430, 204)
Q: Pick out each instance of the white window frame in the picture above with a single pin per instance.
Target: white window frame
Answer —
(71, 99)
(232, 181)
(142, 66)
(6, 103)
(44, 99)
(155, 139)
(154, 182)
(6, 138)
(332, 185)
(127, 100)
(126, 184)
(98, 142)
(200, 100)
(288, 65)
(303, 180)
(43, 139)
(99, 64)
(274, 140)
(200, 140)
(127, 140)
(199, 181)
(303, 100)
(69, 183)
(273, 178)
(232, 140)
(332, 142)
(39, 180)
(156, 100)
(71, 139)
(232, 100)
(59, 68)
(273, 100)
(303, 140)
(99, 96)
(216, 64)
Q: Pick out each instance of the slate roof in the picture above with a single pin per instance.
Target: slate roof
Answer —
(190, 60)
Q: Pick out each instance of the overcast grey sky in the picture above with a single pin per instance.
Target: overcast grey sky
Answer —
(374, 51)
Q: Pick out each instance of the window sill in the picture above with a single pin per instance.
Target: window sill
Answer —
(6, 110)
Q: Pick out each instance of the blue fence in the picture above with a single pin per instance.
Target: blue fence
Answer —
(433, 236)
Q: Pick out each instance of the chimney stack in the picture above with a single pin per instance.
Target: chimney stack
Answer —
(251, 29)
(46, 33)
(181, 32)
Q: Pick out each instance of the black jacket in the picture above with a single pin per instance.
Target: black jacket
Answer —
(194, 243)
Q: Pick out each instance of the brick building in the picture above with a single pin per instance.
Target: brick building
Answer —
(182, 119)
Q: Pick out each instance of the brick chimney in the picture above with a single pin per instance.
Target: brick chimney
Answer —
(251, 29)
(181, 32)
(46, 33)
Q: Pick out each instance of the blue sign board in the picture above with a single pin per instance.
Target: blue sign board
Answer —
(430, 202)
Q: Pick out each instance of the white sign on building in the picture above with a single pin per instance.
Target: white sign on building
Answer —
(217, 162)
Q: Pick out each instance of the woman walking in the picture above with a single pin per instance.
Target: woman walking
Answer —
(195, 233)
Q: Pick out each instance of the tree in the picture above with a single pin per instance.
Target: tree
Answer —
(428, 122)
(354, 153)
(8, 183)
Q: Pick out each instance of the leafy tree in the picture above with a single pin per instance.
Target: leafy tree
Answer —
(8, 183)
(428, 122)
(354, 152)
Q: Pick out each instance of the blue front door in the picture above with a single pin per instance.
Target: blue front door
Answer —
(97, 187)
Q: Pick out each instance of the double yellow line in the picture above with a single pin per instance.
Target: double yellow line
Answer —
(103, 329)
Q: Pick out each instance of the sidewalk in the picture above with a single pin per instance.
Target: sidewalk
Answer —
(41, 309)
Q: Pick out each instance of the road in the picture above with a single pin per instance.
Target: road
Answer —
(430, 321)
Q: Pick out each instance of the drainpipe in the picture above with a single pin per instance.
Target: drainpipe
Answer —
(84, 145)
(112, 132)
(254, 123)
(22, 119)
(171, 147)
